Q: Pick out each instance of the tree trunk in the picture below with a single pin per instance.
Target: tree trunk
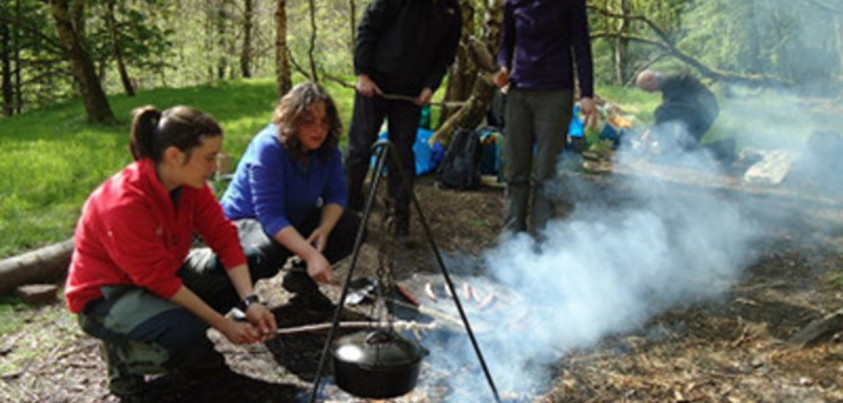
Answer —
(312, 47)
(115, 48)
(77, 16)
(6, 69)
(352, 7)
(93, 96)
(462, 73)
(475, 108)
(621, 46)
(246, 51)
(219, 21)
(16, 46)
(282, 63)
(472, 112)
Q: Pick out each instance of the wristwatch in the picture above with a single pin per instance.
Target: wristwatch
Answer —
(249, 300)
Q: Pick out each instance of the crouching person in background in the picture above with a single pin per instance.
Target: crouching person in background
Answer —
(134, 281)
(288, 194)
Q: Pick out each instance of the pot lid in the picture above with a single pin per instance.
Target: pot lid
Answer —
(377, 348)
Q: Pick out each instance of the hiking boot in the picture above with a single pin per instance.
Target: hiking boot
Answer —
(128, 387)
(297, 281)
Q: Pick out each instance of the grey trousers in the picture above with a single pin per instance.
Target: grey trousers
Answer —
(533, 117)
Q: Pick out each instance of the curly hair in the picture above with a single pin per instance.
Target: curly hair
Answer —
(295, 107)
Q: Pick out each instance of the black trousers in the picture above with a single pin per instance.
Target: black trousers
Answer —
(272, 255)
(402, 124)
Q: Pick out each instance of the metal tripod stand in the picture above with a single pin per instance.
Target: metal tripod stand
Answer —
(382, 150)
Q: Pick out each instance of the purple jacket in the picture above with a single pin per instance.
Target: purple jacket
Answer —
(537, 41)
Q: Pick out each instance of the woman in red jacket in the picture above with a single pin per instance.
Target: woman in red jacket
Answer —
(134, 280)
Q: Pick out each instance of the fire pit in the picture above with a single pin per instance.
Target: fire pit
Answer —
(488, 305)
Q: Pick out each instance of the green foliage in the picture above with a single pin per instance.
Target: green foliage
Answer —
(53, 158)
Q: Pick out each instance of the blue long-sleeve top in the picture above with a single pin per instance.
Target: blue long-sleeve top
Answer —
(541, 39)
(278, 190)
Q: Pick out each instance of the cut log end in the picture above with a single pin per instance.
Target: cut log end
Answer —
(37, 294)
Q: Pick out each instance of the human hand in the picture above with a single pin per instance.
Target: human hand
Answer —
(240, 333)
(319, 269)
(318, 238)
(589, 112)
(501, 78)
(424, 97)
(366, 86)
(261, 318)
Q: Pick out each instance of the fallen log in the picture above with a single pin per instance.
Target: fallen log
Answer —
(39, 266)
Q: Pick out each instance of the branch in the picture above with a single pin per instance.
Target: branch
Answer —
(399, 325)
(668, 46)
(296, 65)
(659, 32)
(33, 31)
(445, 104)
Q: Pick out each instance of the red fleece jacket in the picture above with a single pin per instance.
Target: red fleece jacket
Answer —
(131, 233)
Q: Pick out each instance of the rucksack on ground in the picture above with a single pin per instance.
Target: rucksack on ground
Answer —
(461, 167)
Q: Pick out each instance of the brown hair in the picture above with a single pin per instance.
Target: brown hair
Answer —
(295, 107)
(182, 127)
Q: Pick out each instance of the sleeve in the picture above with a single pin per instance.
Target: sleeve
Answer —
(582, 50)
(445, 54)
(507, 45)
(133, 242)
(217, 231)
(375, 20)
(266, 178)
(336, 190)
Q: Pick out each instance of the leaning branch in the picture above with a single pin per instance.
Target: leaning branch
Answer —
(664, 42)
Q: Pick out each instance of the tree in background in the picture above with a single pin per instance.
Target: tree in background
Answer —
(69, 17)
(282, 63)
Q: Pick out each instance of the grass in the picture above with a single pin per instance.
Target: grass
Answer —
(52, 158)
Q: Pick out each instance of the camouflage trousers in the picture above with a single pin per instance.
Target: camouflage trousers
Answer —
(145, 334)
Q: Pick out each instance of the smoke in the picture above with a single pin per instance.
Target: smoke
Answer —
(625, 255)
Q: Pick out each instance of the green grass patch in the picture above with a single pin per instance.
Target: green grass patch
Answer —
(53, 158)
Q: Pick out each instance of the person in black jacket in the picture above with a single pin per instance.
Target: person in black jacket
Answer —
(403, 48)
(687, 111)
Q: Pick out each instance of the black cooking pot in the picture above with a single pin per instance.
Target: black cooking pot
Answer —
(377, 364)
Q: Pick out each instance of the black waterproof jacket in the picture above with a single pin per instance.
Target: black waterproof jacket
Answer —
(686, 99)
(407, 45)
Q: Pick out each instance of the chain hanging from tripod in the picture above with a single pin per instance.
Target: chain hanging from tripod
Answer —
(386, 250)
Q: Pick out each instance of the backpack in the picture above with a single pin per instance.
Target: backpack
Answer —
(461, 168)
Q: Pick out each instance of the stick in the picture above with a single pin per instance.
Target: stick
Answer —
(407, 98)
(400, 325)
(436, 314)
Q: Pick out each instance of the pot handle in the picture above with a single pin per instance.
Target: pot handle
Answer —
(378, 337)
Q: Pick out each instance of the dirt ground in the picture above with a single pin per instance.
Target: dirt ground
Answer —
(733, 349)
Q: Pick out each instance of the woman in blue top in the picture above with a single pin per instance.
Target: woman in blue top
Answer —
(288, 194)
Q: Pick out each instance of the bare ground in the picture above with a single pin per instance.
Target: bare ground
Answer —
(730, 350)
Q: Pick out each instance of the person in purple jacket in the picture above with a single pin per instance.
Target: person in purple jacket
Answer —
(540, 42)
(288, 194)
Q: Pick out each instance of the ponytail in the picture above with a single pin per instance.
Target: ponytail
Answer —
(182, 127)
(144, 124)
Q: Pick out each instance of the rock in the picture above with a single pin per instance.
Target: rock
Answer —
(37, 294)
(770, 170)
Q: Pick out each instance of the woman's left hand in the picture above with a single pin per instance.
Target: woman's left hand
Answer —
(319, 239)
(261, 318)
